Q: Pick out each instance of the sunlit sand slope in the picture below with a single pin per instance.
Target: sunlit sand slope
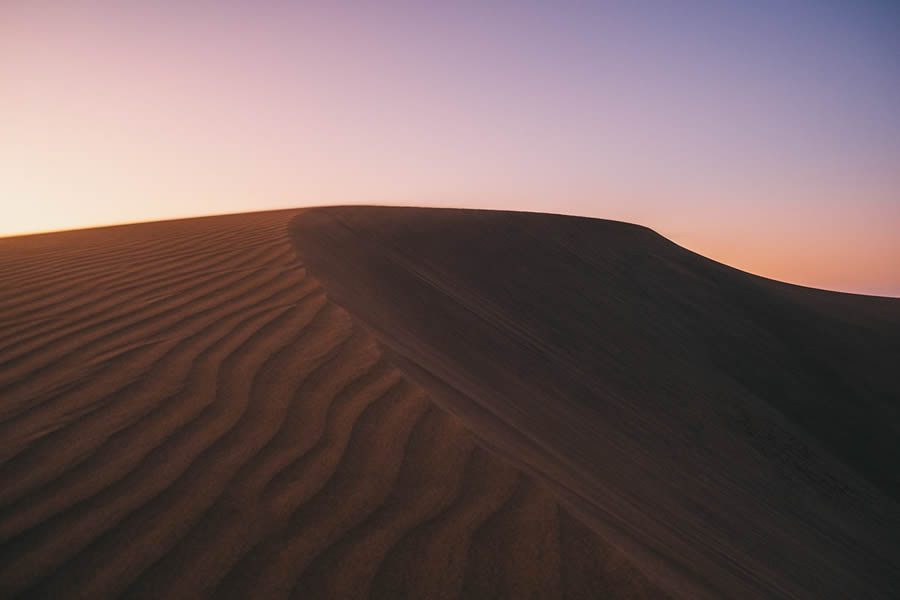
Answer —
(184, 414)
(735, 436)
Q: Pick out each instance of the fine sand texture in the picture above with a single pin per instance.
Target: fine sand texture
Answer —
(734, 436)
(185, 414)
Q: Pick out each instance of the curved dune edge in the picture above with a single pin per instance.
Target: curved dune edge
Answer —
(185, 414)
(735, 436)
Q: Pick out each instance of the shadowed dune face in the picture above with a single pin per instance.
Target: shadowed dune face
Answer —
(185, 414)
(735, 436)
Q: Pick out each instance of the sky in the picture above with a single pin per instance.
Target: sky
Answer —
(765, 134)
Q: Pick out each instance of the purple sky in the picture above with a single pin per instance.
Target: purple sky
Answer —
(764, 134)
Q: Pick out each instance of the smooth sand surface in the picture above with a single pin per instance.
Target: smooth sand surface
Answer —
(734, 436)
(185, 414)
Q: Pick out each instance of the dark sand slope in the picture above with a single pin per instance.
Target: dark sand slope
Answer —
(183, 414)
(737, 437)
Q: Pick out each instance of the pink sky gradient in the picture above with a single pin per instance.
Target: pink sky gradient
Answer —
(767, 137)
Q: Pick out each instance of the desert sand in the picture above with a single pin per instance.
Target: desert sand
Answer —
(357, 402)
(184, 413)
(733, 436)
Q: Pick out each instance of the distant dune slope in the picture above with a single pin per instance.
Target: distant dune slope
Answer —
(184, 414)
(735, 436)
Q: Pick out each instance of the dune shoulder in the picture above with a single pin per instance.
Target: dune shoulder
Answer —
(734, 436)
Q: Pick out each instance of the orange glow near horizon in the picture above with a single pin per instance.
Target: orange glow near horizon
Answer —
(767, 141)
(832, 268)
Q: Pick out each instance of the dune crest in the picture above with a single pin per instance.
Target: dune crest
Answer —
(735, 436)
(185, 414)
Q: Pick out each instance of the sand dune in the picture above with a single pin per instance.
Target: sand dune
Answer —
(735, 437)
(185, 414)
